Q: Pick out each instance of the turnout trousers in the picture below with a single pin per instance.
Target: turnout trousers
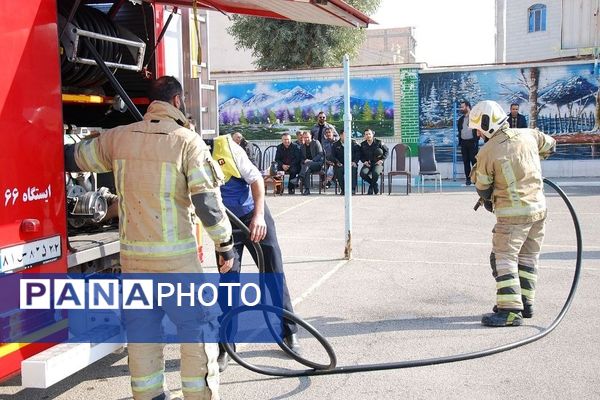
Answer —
(199, 368)
(514, 260)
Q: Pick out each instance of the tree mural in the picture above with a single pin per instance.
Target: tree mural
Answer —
(562, 100)
(468, 88)
(439, 94)
(243, 119)
(272, 117)
(576, 93)
(298, 115)
(430, 109)
(380, 113)
(367, 113)
(597, 111)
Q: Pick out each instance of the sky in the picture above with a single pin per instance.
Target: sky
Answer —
(447, 32)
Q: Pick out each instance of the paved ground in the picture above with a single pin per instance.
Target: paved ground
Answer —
(416, 287)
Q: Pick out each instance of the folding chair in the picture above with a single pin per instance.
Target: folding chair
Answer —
(398, 166)
(428, 167)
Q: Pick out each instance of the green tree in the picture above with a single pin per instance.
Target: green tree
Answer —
(380, 114)
(279, 44)
(243, 119)
(297, 114)
(367, 114)
(330, 113)
(355, 111)
(272, 117)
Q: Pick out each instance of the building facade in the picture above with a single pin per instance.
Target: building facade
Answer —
(387, 46)
(537, 30)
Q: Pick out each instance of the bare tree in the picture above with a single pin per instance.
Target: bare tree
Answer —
(532, 85)
(529, 82)
(597, 112)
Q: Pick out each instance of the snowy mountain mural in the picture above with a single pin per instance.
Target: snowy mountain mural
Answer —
(566, 105)
(264, 110)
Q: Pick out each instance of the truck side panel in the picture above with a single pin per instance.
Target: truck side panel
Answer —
(32, 183)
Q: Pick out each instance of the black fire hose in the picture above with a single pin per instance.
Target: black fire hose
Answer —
(331, 369)
(265, 308)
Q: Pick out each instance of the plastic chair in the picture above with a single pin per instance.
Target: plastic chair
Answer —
(398, 166)
(428, 167)
(267, 157)
(257, 155)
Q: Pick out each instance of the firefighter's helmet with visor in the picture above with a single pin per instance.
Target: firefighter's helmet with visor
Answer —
(488, 117)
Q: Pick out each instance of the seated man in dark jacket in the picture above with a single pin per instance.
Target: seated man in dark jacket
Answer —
(312, 160)
(372, 154)
(287, 158)
(338, 157)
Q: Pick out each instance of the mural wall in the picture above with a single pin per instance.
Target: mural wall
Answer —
(264, 110)
(559, 100)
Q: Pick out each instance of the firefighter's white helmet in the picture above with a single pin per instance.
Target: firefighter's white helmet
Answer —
(488, 117)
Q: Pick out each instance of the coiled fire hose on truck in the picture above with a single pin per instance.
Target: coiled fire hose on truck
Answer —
(331, 368)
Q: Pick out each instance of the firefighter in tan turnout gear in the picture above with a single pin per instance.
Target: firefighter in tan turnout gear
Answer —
(163, 171)
(508, 178)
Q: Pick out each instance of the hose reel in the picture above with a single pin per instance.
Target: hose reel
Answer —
(78, 68)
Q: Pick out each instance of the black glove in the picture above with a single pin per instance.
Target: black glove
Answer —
(486, 196)
(488, 205)
(227, 255)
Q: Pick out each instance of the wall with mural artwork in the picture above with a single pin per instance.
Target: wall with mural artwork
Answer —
(560, 99)
(263, 109)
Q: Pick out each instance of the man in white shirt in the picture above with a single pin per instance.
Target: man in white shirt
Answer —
(244, 195)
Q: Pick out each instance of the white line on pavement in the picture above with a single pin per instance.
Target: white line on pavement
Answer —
(294, 207)
(318, 283)
(471, 243)
(458, 263)
(314, 238)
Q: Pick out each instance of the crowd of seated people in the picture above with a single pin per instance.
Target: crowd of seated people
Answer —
(306, 156)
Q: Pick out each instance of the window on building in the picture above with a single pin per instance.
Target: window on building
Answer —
(537, 18)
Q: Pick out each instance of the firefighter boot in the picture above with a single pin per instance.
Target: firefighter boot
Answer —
(223, 360)
(527, 280)
(503, 318)
(527, 308)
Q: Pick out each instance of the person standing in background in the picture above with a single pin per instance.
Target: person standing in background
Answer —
(468, 140)
(318, 130)
(516, 120)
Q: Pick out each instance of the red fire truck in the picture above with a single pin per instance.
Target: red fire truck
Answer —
(71, 67)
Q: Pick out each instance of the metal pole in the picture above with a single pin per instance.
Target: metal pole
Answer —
(115, 83)
(347, 160)
(454, 136)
